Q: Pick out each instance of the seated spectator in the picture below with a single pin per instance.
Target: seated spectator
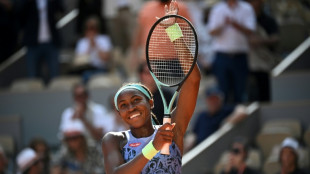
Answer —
(3, 162)
(210, 120)
(237, 158)
(87, 113)
(29, 162)
(92, 51)
(41, 147)
(288, 157)
(77, 156)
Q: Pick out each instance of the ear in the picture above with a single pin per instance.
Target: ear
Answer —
(151, 101)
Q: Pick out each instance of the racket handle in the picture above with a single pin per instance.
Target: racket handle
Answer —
(165, 149)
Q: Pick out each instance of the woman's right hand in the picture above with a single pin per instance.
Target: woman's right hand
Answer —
(164, 135)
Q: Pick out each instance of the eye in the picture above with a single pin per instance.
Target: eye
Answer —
(136, 100)
(122, 105)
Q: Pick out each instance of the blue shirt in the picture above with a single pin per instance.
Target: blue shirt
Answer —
(207, 124)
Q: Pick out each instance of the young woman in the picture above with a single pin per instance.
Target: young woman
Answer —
(137, 150)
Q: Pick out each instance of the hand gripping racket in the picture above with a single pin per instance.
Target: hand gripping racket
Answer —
(171, 53)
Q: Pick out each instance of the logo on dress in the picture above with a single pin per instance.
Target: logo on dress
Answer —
(134, 144)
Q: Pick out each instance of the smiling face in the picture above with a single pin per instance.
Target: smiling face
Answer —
(134, 108)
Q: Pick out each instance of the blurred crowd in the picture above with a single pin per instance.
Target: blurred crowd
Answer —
(240, 41)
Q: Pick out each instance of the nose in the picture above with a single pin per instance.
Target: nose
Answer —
(131, 107)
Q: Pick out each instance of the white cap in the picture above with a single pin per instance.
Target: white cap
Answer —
(26, 158)
(122, 3)
(72, 128)
(290, 142)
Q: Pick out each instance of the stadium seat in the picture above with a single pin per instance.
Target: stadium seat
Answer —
(292, 124)
(64, 82)
(11, 130)
(272, 165)
(273, 132)
(254, 160)
(104, 81)
(266, 140)
(307, 137)
(8, 144)
(27, 84)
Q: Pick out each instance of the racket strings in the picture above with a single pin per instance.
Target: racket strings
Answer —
(169, 62)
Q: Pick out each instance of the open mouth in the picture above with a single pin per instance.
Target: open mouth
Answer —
(134, 116)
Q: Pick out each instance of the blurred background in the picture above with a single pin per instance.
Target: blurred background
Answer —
(46, 47)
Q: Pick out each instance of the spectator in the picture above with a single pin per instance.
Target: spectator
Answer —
(147, 80)
(29, 162)
(40, 146)
(230, 23)
(123, 25)
(289, 157)
(8, 29)
(237, 158)
(77, 157)
(87, 113)
(210, 120)
(3, 161)
(93, 50)
(262, 57)
(199, 11)
(146, 19)
(88, 8)
(42, 39)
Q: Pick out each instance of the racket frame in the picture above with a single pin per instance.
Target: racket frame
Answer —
(167, 109)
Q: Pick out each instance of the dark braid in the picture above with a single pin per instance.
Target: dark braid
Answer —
(152, 114)
(155, 119)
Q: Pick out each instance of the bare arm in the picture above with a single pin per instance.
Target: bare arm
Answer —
(79, 113)
(233, 23)
(113, 160)
(188, 94)
(238, 115)
(243, 29)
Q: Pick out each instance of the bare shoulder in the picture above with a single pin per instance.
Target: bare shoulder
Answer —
(114, 138)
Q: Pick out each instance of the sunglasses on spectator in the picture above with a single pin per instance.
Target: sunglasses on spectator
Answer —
(235, 151)
(72, 138)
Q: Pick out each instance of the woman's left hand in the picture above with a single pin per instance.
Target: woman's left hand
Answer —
(164, 135)
(173, 9)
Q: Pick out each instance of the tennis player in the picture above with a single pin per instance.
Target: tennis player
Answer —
(137, 150)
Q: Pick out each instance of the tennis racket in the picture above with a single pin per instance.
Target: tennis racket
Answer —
(171, 53)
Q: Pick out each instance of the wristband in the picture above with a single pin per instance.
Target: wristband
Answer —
(174, 32)
(149, 151)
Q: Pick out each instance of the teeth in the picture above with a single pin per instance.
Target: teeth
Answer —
(133, 116)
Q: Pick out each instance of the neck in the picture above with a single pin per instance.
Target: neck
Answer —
(80, 155)
(232, 3)
(144, 131)
(288, 169)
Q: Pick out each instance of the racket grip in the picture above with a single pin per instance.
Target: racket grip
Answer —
(165, 149)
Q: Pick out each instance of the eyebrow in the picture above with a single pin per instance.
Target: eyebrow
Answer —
(135, 95)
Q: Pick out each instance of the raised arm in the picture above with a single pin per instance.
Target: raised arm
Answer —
(187, 101)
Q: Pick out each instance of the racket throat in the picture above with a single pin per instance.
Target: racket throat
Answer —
(167, 118)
